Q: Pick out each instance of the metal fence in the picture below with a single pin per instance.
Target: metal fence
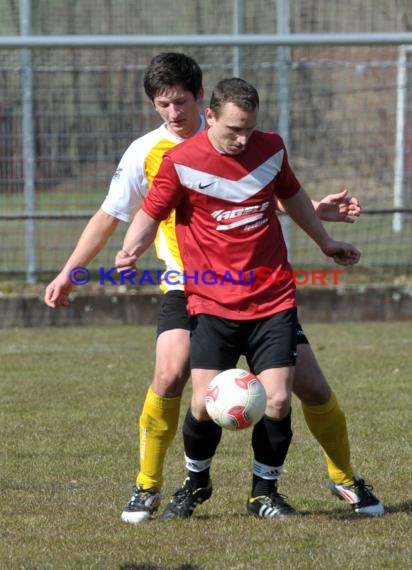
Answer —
(342, 102)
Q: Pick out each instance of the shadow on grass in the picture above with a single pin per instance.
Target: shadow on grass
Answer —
(345, 513)
(134, 566)
(404, 507)
(337, 513)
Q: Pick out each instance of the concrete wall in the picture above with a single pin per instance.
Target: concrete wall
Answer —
(315, 305)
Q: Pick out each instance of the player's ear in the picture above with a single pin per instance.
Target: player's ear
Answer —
(209, 116)
(200, 95)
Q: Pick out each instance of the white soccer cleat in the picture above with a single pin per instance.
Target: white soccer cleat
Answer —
(359, 496)
(141, 506)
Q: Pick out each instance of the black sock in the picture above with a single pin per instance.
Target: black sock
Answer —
(200, 442)
(270, 441)
(263, 487)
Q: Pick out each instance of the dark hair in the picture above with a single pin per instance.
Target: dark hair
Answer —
(234, 90)
(168, 69)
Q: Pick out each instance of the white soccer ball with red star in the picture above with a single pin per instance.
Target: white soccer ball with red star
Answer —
(235, 399)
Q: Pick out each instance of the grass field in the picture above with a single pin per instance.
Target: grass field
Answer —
(70, 398)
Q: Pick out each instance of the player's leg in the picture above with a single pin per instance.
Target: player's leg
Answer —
(271, 355)
(326, 421)
(323, 416)
(212, 351)
(160, 414)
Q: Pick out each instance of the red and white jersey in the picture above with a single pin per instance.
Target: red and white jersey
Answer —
(229, 236)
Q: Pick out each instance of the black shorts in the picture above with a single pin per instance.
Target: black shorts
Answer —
(270, 342)
(301, 338)
(173, 313)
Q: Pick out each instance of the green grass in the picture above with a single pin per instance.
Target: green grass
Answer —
(384, 254)
(69, 198)
(70, 399)
(55, 238)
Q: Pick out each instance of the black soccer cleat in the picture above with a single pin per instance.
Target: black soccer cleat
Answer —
(185, 500)
(270, 506)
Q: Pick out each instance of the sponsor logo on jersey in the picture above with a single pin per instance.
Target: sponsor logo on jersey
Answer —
(247, 216)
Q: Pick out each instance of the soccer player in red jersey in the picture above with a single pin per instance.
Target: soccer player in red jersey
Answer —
(224, 184)
(173, 83)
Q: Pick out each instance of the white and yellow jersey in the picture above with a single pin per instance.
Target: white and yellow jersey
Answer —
(130, 184)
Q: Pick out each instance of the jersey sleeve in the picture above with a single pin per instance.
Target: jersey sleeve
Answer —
(287, 185)
(128, 186)
(165, 192)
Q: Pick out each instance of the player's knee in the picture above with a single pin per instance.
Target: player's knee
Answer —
(170, 381)
(278, 405)
(198, 407)
(310, 384)
(312, 390)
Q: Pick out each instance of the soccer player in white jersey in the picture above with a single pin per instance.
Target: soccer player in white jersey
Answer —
(173, 82)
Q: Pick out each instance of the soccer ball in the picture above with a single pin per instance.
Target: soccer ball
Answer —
(235, 399)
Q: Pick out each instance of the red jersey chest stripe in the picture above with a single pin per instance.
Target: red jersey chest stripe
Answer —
(237, 191)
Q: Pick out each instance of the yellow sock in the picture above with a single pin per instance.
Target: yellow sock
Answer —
(328, 425)
(158, 424)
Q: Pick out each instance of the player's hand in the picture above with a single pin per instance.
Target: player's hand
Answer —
(339, 208)
(341, 252)
(57, 292)
(125, 261)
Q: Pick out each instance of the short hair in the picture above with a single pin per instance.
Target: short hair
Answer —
(169, 69)
(234, 90)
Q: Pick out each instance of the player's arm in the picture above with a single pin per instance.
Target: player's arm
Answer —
(139, 236)
(164, 195)
(335, 207)
(93, 239)
(127, 188)
(300, 208)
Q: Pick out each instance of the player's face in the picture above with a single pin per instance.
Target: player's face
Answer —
(179, 110)
(230, 131)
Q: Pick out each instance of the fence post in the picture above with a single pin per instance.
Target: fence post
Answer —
(237, 29)
(399, 167)
(28, 143)
(283, 63)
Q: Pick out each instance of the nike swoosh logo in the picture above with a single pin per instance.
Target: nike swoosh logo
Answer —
(202, 186)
